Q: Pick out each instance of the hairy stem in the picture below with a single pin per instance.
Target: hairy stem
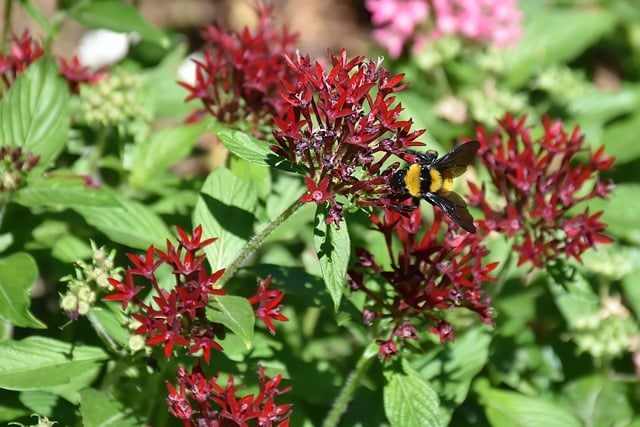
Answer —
(257, 241)
(346, 394)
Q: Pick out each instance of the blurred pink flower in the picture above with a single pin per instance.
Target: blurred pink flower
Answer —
(494, 22)
(398, 22)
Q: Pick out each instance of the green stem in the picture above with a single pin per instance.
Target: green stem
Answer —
(98, 151)
(257, 241)
(6, 25)
(350, 386)
(3, 209)
(103, 334)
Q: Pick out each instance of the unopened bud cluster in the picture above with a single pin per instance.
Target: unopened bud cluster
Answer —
(607, 333)
(115, 100)
(89, 278)
(14, 167)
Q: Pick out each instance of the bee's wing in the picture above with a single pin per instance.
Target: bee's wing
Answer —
(455, 162)
(454, 206)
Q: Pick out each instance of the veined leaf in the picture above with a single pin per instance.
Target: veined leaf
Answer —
(225, 209)
(333, 249)
(34, 113)
(18, 273)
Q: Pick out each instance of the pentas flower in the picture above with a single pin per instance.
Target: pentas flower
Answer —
(173, 316)
(76, 74)
(540, 186)
(22, 52)
(341, 126)
(269, 306)
(239, 77)
(396, 21)
(492, 22)
(432, 272)
(200, 401)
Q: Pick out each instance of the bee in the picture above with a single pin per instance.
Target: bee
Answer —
(431, 178)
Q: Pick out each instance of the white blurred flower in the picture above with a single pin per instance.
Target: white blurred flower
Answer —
(103, 47)
(187, 69)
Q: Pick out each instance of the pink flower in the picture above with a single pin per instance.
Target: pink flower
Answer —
(397, 21)
(492, 22)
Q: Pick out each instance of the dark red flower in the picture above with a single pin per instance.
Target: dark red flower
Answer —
(342, 124)
(202, 401)
(430, 273)
(239, 78)
(174, 316)
(540, 185)
(269, 304)
(76, 74)
(317, 193)
(22, 52)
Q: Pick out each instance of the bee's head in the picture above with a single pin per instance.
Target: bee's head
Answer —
(396, 182)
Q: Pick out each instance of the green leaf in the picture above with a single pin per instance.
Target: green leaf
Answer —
(39, 402)
(410, 401)
(39, 363)
(100, 411)
(621, 211)
(57, 236)
(504, 408)
(112, 321)
(553, 36)
(598, 401)
(250, 149)
(572, 293)
(127, 222)
(601, 106)
(619, 139)
(258, 176)
(118, 16)
(59, 192)
(153, 156)
(34, 113)
(225, 209)
(167, 97)
(235, 313)
(333, 248)
(461, 361)
(244, 146)
(18, 273)
(9, 412)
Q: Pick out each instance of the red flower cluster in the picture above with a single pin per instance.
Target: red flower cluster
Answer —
(22, 52)
(540, 185)
(75, 73)
(428, 275)
(242, 72)
(268, 301)
(341, 126)
(200, 401)
(175, 316)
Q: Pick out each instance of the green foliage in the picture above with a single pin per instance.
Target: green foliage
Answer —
(117, 16)
(34, 113)
(563, 348)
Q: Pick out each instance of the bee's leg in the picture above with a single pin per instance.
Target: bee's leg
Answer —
(407, 208)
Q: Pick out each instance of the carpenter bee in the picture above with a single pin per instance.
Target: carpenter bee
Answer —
(431, 178)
